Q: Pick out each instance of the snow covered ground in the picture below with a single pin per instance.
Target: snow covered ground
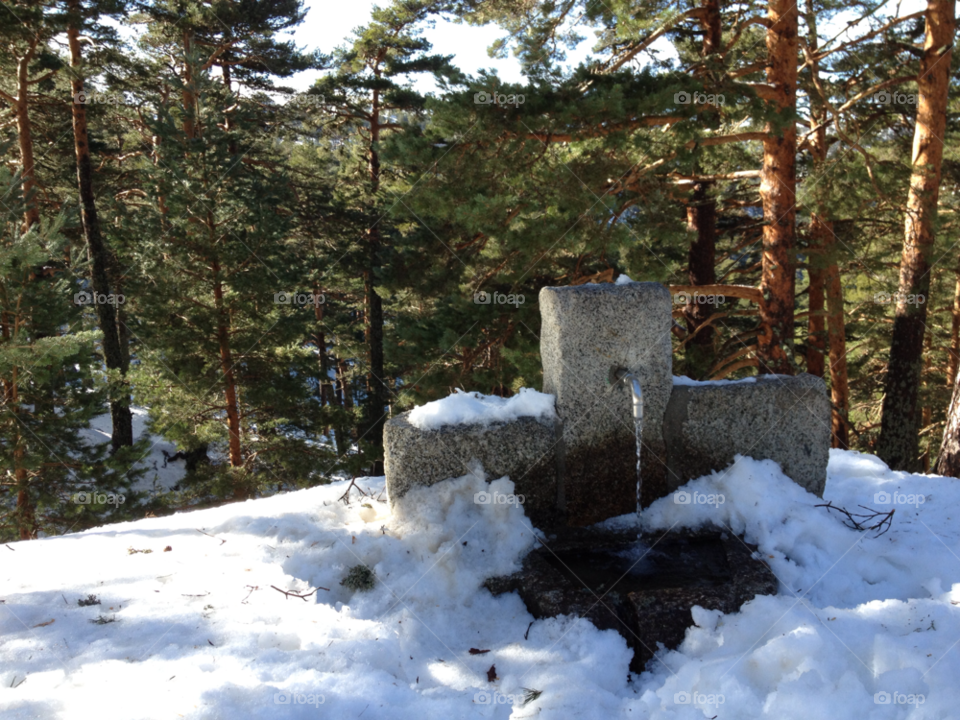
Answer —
(192, 624)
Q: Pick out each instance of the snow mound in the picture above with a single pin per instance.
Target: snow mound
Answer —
(472, 408)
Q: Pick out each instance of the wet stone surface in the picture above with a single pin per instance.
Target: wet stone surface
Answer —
(642, 589)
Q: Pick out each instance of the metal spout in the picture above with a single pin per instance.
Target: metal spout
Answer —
(633, 381)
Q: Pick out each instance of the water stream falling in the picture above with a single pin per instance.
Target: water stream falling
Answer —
(633, 382)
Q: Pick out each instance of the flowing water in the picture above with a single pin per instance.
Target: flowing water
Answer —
(633, 383)
(638, 431)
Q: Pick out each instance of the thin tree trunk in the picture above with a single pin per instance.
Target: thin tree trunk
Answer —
(344, 400)
(837, 341)
(25, 140)
(373, 315)
(816, 325)
(320, 340)
(953, 361)
(701, 219)
(189, 91)
(25, 512)
(898, 444)
(107, 313)
(827, 274)
(948, 461)
(926, 412)
(26, 509)
(778, 194)
(229, 380)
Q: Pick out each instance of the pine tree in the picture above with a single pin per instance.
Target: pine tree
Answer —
(222, 359)
(52, 387)
(367, 93)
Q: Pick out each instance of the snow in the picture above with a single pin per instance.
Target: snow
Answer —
(623, 279)
(863, 626)
(690, 382)
(469, 408)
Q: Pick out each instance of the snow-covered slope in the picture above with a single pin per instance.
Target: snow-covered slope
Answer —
(863, 626)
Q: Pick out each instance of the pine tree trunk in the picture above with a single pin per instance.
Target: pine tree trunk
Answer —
(898, 444)
(837, 342)
(816, 324)
(373, 315)
(701, 219)
(820, 235)
(107, 314)
(953, 360)
(778, 194)
(825, 241)
(189, 92)
(344, 400)
(320, 340)
(229, 380)
(948, 461)
(25, 140)
(25, 511)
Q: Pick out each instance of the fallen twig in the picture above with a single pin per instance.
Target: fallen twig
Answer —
(222, 541)
(863, 523)
(290, 593)
(346, 496)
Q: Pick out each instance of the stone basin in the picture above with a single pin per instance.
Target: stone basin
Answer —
(643, 589)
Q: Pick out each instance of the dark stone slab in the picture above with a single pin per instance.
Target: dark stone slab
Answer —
(646, 596)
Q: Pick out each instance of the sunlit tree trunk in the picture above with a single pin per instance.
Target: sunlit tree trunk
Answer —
(778, 194)
(898, 444)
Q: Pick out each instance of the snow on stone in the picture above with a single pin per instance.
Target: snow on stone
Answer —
(469, 408)
(623, 279)
(690, 382)
(862, 627)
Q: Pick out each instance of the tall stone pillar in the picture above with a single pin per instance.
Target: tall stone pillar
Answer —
(588, 331)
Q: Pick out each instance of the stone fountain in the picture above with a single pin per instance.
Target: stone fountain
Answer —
(602, 347)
